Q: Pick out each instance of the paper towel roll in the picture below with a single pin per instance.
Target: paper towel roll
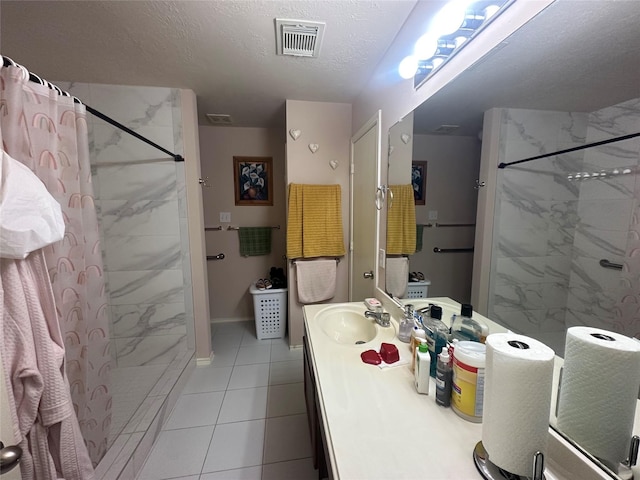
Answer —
(599, 391)
(517, 400)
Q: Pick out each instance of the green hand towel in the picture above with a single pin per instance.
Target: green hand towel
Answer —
(419, 229)
(254, 241)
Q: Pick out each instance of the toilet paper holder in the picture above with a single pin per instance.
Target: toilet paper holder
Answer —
(490, 471)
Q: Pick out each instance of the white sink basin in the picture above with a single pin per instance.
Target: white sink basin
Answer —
(347, 325)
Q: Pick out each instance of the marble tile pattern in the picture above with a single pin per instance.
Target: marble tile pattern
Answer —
(552, 229)
(142, 211)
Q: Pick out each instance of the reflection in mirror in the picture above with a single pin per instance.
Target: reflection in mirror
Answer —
(445, 209)
(561, 226)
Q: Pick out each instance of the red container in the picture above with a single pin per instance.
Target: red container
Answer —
(389, 353)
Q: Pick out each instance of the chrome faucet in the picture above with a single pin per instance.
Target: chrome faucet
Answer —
(382, 318)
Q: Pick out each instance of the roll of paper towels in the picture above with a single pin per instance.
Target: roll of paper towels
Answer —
(599, 391)
(517, 400)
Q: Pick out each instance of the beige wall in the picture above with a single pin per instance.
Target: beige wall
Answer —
(453, 166)
(329, 126)
(229, 279)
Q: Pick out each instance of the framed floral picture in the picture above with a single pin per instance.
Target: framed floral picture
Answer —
(419, 181)
(253, 180)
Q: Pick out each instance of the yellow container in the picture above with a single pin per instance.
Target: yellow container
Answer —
(467, 392)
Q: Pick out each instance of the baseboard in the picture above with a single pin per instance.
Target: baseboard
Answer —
(204, 361)
(231, 319)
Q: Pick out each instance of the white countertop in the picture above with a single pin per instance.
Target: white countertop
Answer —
(377, 425)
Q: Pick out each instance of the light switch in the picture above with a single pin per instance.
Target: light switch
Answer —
(381, 258)
(433, 214)
(225, 217)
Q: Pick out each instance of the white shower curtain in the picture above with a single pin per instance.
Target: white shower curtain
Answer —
(48, 133)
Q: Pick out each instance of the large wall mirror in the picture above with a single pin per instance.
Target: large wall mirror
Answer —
(564, 230)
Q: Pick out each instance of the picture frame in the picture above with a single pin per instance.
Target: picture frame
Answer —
(253, 180)
(419, 181)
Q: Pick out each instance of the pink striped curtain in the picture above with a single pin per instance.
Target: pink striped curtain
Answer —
(48, 133)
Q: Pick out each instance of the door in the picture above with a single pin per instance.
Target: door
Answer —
(363, 245)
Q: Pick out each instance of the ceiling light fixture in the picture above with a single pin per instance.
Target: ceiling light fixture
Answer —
(452, 28)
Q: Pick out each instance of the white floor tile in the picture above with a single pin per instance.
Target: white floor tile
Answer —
(286, 399)
(292, 470)
(195, 410)
(235, 445)
(286, 372)
(176, 453)
(250, 473)
(253, 354)
(250, 338)
(208, 379)
(224, 356)
(287, 438)
(243, 405)
(249, 376)
(280, 351)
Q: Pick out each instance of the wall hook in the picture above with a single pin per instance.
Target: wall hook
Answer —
(479, 184)
(204, 182)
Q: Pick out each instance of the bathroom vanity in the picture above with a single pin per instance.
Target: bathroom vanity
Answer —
(368, 422)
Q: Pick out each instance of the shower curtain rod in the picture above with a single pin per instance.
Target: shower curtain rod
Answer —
(6, 61)
(574, 149)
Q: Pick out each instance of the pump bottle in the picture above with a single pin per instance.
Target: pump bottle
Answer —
(444, 374)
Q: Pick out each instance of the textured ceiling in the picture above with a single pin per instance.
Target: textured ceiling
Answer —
(575, 56)
(224, 50)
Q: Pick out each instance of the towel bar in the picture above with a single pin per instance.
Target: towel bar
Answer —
(294, 260)
(451, 250)
(435, 225)
(277, 227)
(219, 227)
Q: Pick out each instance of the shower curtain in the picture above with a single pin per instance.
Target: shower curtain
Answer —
(48, 133)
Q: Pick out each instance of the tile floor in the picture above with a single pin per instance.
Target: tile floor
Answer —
(242, 417)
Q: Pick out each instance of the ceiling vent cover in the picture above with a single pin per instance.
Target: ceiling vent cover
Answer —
(298, 38)
(446, 129)
(219, 119)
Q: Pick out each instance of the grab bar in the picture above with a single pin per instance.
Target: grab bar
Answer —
(277, 227)
(219, 227)
(451, 250)
(607, 264)
(219, 256)
(435, 225)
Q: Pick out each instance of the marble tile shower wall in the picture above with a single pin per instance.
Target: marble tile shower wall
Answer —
(536, 208)
(143, 219)
(608, 227)
(551, 231)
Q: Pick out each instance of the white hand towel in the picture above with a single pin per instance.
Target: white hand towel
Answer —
(397, 276)
(316, 280)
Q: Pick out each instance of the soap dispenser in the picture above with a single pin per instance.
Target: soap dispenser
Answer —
(406, 324)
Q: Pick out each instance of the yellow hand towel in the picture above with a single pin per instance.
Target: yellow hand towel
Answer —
(314, 223)
(401, 222)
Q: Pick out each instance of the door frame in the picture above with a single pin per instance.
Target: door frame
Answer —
(374, 122)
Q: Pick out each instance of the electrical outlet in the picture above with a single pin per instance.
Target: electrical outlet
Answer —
(225, 217)
(433, 214)
(382, 258)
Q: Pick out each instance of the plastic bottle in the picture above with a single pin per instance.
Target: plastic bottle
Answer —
(437, 335)
(444, 374)
(417, 337)
(421, 373)
(406, 324)
(465, 328)
(467, 395)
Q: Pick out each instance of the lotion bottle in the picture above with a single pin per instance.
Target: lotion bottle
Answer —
(421, 373)
(417, 337)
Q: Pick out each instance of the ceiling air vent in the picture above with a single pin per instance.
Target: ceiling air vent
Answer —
(446, 129)
(219, 119)
(298, 38)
